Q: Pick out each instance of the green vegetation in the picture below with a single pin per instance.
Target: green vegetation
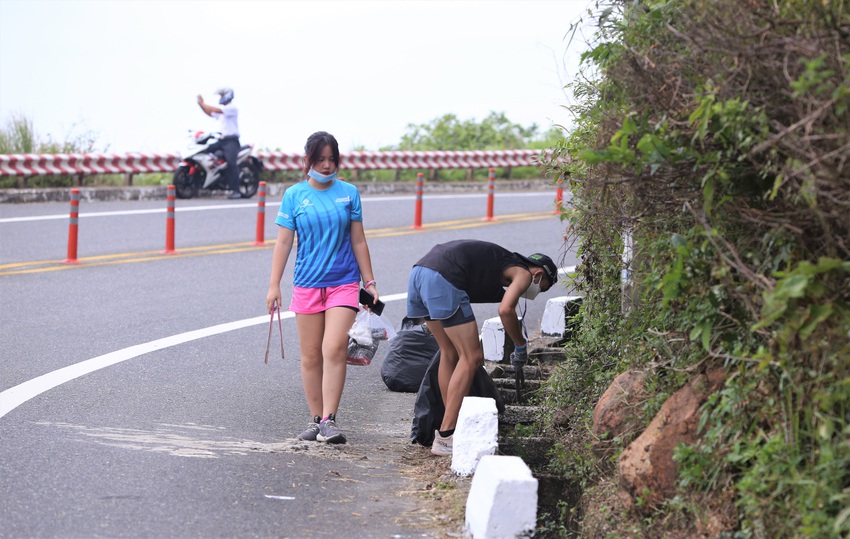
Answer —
(495, 132)
(449, 133)
(716, 132)
(19, 137)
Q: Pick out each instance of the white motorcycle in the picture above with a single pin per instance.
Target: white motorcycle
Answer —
(201, 168)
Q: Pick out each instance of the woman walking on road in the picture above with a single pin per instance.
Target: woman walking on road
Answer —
(332, 256)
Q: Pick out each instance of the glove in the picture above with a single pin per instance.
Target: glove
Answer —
(518, 358)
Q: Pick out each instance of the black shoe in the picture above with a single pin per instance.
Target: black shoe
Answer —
(234, 195)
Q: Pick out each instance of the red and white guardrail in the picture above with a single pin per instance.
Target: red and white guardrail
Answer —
(93, 163)
(140, 163)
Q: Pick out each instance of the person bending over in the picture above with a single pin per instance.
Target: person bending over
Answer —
(442, 286)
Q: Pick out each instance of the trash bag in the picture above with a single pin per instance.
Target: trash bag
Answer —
(358, 354)
(428, 409)
(368, 327)
(408, 358)
(365, 334)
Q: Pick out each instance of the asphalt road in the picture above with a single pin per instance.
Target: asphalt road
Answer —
(134, 401)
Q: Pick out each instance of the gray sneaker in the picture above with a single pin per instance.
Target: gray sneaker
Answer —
(312, 431)
(329, 432)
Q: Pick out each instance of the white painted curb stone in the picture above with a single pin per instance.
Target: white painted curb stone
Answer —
(476, 434)
(554, 321)
(493, 339)
(502, 500)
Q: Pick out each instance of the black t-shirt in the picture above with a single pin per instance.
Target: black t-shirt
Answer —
(473, 266)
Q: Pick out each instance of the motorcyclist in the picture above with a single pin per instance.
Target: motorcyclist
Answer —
(228, 115)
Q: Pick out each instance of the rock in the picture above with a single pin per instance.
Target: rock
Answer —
(618, 411)
(646, 466)
(562, 417)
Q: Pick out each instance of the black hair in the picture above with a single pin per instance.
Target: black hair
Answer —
(314, 146)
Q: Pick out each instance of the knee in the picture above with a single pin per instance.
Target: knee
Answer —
(311, 358)
(449, 356)
(333, 353)
(311, 364)
(475, 358)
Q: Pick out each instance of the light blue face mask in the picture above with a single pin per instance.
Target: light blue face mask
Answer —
(321, 178)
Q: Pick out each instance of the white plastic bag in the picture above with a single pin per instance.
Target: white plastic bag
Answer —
(381, 328)
(369, 327)
(365, 334)
(361, 330)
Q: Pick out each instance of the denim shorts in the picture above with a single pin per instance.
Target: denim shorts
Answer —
(317, 300)
(431, 296)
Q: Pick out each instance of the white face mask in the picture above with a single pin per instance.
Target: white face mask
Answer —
(533, 288)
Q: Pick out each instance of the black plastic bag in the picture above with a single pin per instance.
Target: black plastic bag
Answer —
(408, 358)
(428, 409)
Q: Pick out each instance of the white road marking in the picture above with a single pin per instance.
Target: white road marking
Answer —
(269, 203)
(21, 393)
(123, 212)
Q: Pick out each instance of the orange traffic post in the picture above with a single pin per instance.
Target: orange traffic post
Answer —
(417, 220)
(73, 228)
(559, 196)
(169, 223)
(559, 199)
(261, 215)
(491, 176)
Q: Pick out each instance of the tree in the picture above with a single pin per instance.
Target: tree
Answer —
(448, 133)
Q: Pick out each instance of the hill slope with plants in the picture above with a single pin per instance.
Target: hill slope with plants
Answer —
(712, 135)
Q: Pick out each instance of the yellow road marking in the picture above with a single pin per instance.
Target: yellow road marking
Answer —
(19, 268)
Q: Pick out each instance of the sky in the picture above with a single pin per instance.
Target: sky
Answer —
(128, 72)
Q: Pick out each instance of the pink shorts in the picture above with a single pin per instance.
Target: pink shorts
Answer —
(317, 300)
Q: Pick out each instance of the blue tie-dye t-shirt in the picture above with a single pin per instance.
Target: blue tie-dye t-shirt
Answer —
(322, 224)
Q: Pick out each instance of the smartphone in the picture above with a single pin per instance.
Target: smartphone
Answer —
(366, 298)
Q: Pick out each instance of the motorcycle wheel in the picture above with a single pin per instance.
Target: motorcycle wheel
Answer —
(184, 183)
(249, 180)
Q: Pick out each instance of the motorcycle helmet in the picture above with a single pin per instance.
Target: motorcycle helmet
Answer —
(226, 96)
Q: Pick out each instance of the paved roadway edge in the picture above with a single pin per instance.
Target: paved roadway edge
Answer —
(273, 189)
(15, 396)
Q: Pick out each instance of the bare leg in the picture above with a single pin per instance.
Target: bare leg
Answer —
(338, 321)
(460, 355)
(448, 356)
(311, 328)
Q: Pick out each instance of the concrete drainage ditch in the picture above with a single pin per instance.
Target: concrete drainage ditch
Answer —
(556, 495)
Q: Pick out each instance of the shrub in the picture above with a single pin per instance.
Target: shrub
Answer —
(714, 133)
